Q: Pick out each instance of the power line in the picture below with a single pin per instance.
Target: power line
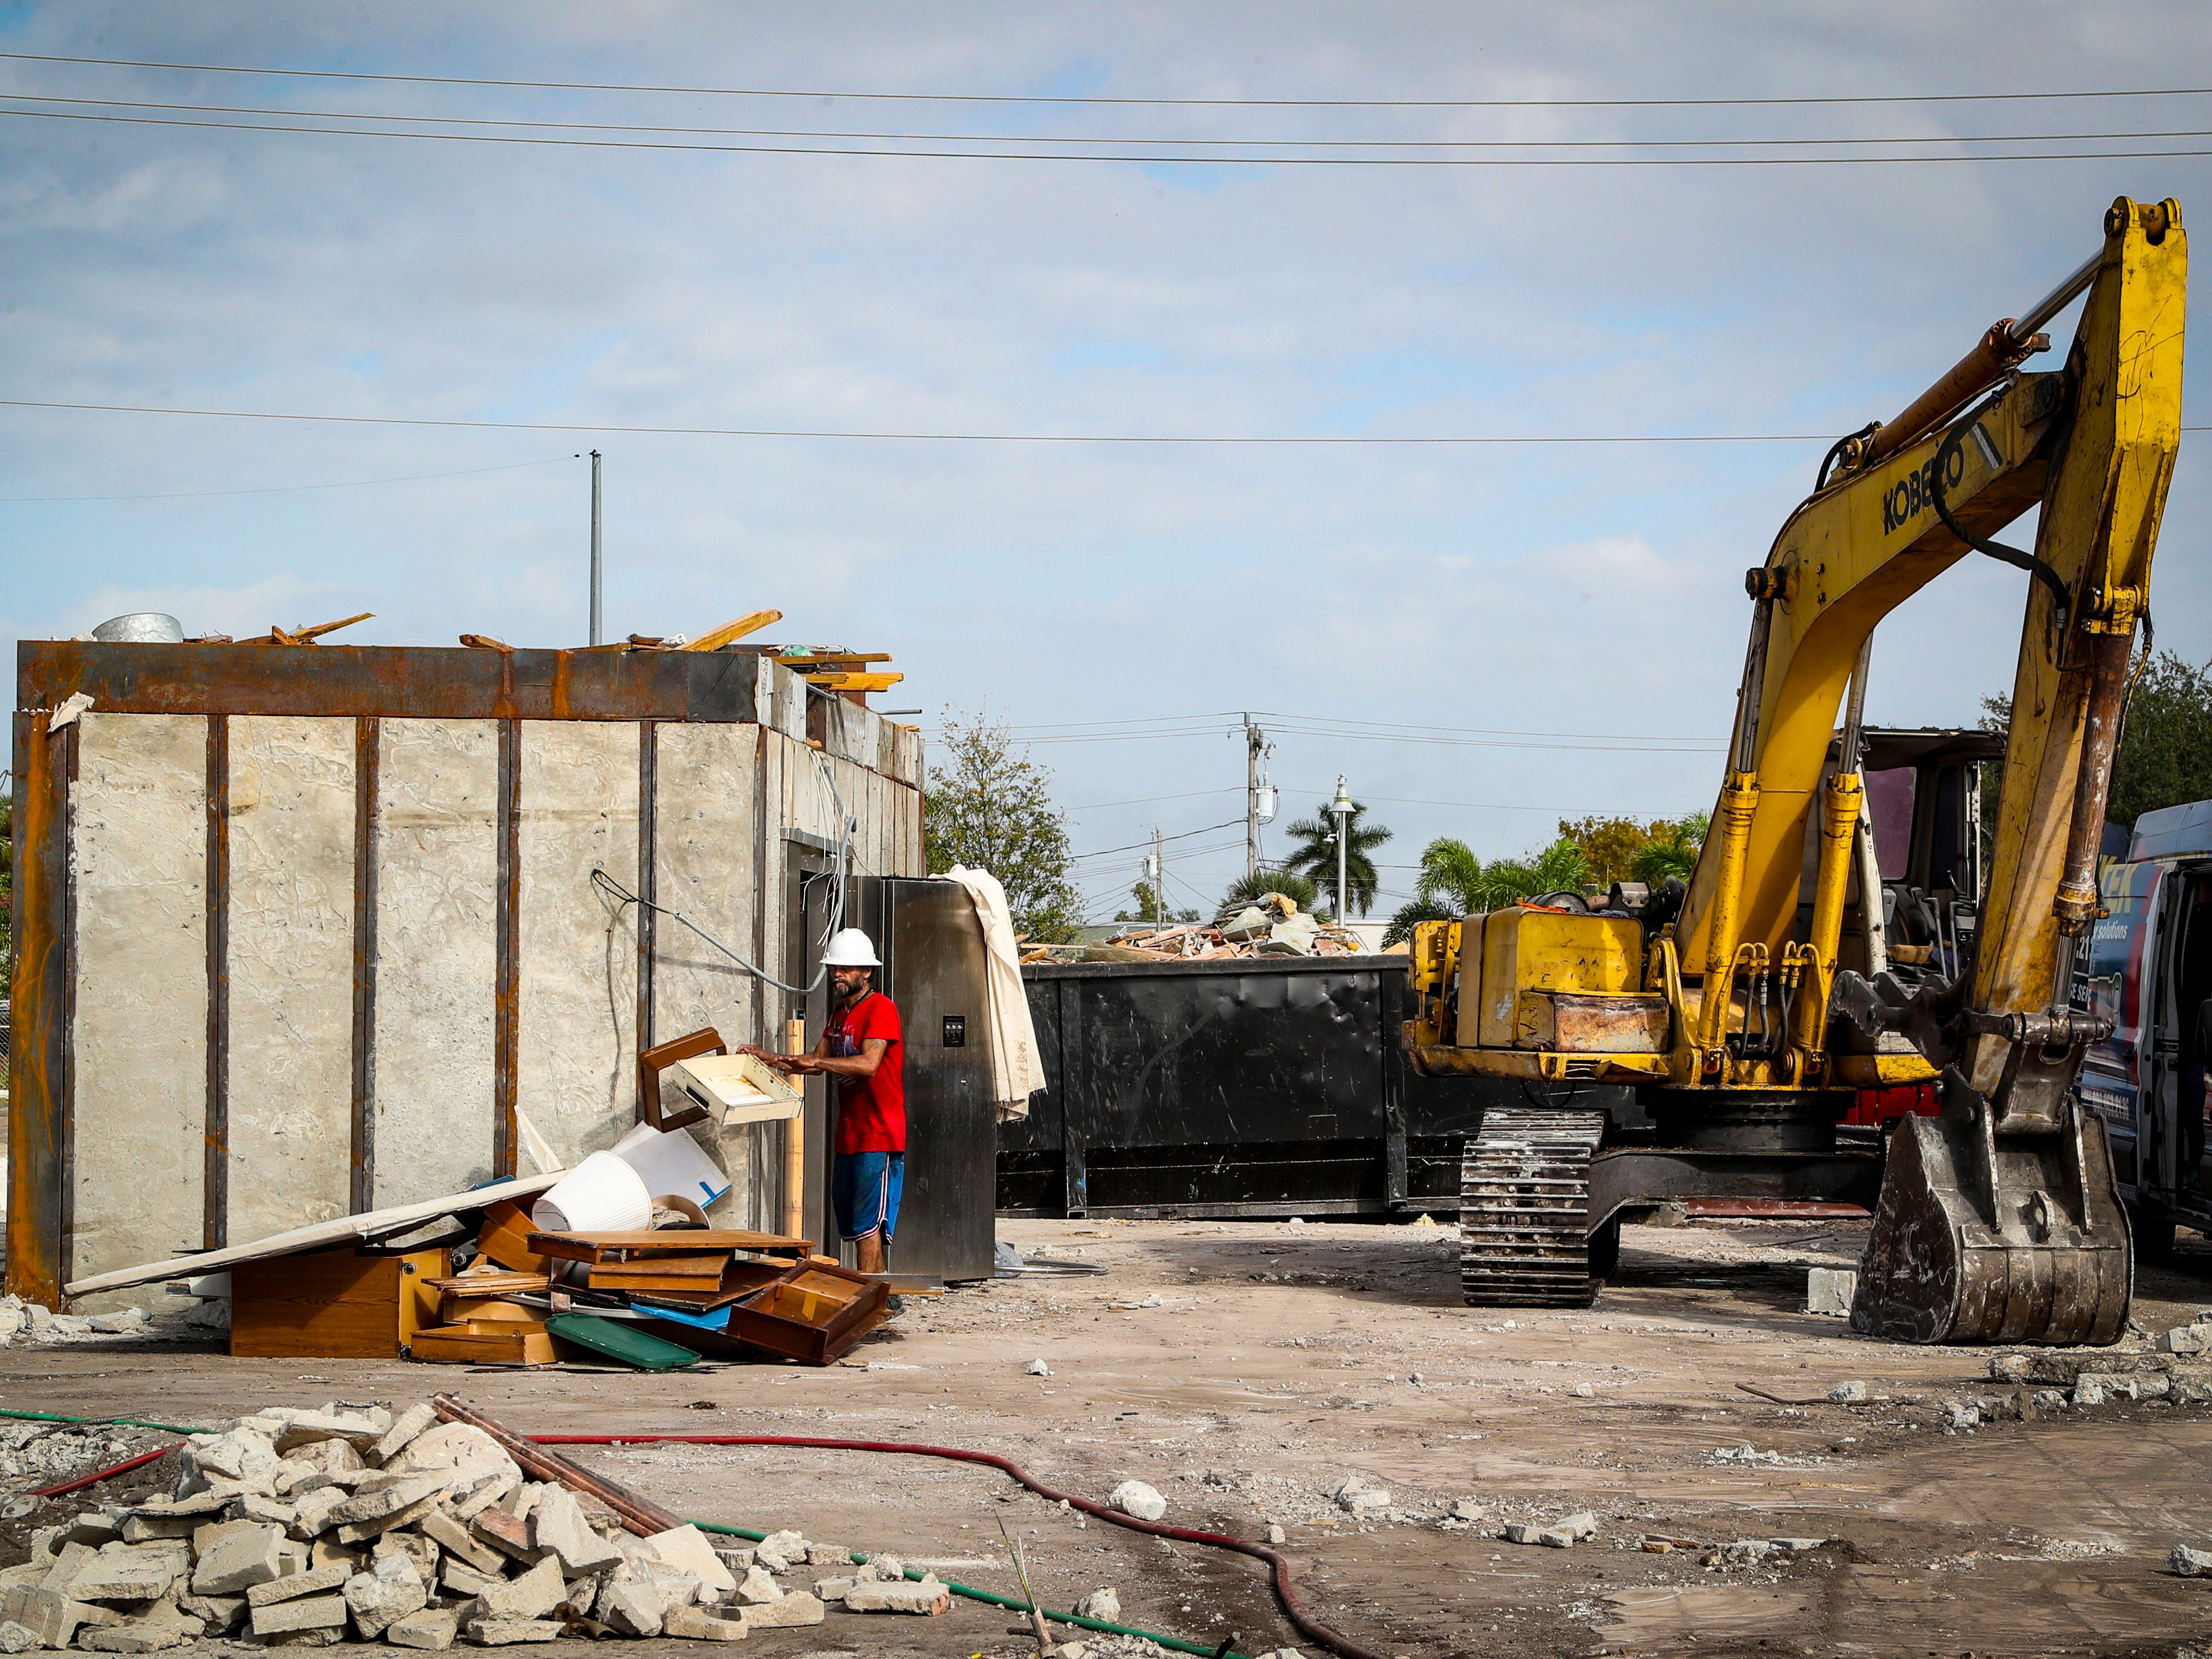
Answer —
(1182, 835)
(1486, 161)
(1846, 141)
(1146, 800)
(913, 437)
(1200, 103)
(282, 490)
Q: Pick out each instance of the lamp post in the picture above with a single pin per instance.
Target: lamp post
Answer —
(1341, 810)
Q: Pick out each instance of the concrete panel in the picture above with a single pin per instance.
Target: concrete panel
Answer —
(578, 1001)
(706, 865)
(138, 858)
(291, 971)
(437, 947)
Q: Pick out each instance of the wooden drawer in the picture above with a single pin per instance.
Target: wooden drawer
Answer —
(343, 1304)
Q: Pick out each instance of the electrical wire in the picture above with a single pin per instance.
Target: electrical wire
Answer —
(1038, 138)
(834, 919)
(1481, 161)
(1326, 441)
(281, 489)
(1182, 835)
(1066, 99)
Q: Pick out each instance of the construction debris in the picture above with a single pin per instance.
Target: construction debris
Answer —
(1270, 925)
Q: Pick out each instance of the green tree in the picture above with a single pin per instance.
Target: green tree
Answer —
(1144, 905)
(1315, 855)
(2166, 745)
(1298, 888)
(989, 806)
(1672, 851)
(1452, 882)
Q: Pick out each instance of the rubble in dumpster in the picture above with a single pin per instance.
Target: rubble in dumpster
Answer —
(420, 1528)
(1270, 925)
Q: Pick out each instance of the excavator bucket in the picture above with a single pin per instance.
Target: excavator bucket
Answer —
(1985, 1236)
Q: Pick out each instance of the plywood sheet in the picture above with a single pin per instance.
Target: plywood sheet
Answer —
(138, 856)
(437, 851)
(578, 797)
(291, 971)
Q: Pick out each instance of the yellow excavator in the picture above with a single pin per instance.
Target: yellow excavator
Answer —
(1747, 1007)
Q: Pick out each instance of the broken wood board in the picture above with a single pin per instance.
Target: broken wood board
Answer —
(485, 1345)
(663, 1241)
(346, 1230)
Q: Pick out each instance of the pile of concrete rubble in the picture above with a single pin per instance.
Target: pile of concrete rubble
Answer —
(1270, 925)
(311, 1527)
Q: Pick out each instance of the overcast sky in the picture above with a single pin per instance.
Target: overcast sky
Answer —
(1517, 589)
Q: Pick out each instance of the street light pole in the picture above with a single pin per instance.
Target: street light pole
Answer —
(1341, 810)
(595, 547)
(1254, 738)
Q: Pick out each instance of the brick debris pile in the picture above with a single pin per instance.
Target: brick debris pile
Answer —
(311, 1527)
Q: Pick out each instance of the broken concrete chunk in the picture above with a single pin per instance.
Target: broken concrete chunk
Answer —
(65, 1563)
(317, 1581)
(390, 1589)
(502, 1633)
(1848, 1394)
(459, 1446)
(473, 1493)
(428, 1627)
(2187, 1562)
(533, 1595)
(93, 1528)
(410, 1422)
(360, 1532)
(48, 1614)
(833, 1590)
(796, 1609)
(455, 1539)
(691, 1551)
(131, 1572)
(881, 1567)
(1135, 1498)
(241, 1455)
(139, 1635)
(21, 1638)
(239, 1560)
(1962, 1415)
(461, 1579)
(926, 1597)
(1521, 1532)
(312, 1513)
(2187, 1338)
(1580, 1525)
(1829, 1290)
(503, 1532)
(557, 1526)
(824, 1555)
(633, 1606)
(387, 1498)
(779, 1551)
(217, 1613)
(252, 1506)
(414, 1547)
(1103, 1605)
(145, 1528)
(358, 1430)
(309, 1613)
(757, 1588)
(697, 1625)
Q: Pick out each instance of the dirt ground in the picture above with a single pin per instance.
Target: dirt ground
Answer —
(1247, 1370)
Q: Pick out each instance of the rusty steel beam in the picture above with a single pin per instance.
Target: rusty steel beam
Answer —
(507, 1013)
(214, 1154)
(39, 1049)
(368, 735)
(435, 682)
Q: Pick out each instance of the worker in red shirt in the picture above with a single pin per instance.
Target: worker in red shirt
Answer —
(861, 1048)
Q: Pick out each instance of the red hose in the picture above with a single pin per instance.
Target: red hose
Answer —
(108, 1474)
(1293, 1608)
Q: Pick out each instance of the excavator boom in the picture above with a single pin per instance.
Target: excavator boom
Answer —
(1747, 1005)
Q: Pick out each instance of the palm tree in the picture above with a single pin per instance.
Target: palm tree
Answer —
(1454, 883)
(1316, 854)
(1298, 888)
(1672, 853)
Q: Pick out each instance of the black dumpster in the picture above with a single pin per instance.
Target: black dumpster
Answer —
(1275, 1086)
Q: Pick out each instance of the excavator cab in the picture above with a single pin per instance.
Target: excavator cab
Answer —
(1751, 1006)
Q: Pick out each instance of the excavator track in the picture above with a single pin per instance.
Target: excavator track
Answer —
(1524, 1209)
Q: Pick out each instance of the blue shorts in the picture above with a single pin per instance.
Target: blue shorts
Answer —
(865, 1186)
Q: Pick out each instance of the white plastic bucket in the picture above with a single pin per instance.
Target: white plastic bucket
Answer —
(603, 1194)
(669, 1162)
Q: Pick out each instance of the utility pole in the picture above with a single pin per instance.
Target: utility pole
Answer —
(1342, 809)
(1254, 738)
(595, 547)
(1159, 883)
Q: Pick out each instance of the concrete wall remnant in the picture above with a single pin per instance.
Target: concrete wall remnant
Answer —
(309, 931)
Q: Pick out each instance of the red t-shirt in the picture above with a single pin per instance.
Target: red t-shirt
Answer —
(871, 1111)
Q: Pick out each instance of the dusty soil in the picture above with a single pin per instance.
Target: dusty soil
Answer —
(1246, 1369)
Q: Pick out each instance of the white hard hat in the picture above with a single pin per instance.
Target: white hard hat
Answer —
(850, 948)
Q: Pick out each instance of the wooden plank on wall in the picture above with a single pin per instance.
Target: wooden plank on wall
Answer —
(39, 1049)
